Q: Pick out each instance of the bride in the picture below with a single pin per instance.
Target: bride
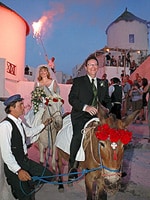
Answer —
(45, 77)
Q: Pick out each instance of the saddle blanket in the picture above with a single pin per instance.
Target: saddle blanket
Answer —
(64, 136)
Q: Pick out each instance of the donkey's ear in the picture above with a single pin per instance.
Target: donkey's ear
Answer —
(102, 112)
(130, 118)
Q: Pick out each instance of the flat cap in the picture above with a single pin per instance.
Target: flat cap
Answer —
(14, 98)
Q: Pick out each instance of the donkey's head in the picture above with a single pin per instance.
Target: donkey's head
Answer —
(112, 135)
(53, 108)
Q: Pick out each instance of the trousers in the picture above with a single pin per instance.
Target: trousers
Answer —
(76, 139)
(25, 190)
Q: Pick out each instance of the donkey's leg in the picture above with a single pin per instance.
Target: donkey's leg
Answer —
(54, 157)
(60, 171)
(94, 188)
(102, 195)
(88, 185)
(41, 150)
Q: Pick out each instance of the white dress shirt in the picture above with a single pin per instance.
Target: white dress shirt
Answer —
(5, 140)
(95, 80)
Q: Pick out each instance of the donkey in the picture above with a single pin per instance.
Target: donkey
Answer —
(49, 107)
(103, 144)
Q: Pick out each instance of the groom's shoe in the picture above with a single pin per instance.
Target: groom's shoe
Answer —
(73, 174)
(123, 174)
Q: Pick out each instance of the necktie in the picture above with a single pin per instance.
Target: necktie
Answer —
(94, 102)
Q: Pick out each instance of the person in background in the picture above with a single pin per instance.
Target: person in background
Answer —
(17, 166)
(148, 111)
(133, 66)
(136, 78)
(119, 62)
(139, 81)
(122, 75)
(116, 94)
(128, 79)
(127, 100)
(113, 61)
(26, 70)
(145, 87)
(108, 59)
(128, 59)
(136, 96)
(104, 77)
(51, 63)
(70, 80)
(84, 91)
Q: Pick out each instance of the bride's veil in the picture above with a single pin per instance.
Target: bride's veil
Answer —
(52, 74)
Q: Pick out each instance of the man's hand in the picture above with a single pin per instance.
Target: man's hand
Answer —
(91, 110)
(24, 175)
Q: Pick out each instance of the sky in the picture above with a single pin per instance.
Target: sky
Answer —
(73, 28)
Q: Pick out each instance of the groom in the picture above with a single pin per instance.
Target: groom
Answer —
(85, 90)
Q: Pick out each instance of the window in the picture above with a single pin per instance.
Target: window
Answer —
(131, 38)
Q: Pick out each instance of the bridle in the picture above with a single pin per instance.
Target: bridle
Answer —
(53, 118)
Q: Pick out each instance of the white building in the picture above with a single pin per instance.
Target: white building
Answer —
(14, 30)
(127, 33)
(12, 60)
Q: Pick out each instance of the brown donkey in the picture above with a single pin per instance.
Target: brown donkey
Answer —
(103, 145)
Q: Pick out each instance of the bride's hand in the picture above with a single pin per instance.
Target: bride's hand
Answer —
(48, 121)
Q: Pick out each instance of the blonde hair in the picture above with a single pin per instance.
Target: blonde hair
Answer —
(48, 73)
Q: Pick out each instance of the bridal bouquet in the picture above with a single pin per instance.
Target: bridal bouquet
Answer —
(37, 96)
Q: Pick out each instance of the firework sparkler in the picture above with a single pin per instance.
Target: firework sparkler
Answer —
(37, 27)
(46, 21)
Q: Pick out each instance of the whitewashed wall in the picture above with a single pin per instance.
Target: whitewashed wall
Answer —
(118, 35)
(13, 40)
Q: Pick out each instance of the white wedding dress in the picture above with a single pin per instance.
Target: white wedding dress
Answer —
(34, 120)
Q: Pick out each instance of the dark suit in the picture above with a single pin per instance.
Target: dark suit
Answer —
(81, 94)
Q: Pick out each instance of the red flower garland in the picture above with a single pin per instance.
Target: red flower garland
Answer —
(53, 99)
(104, 132)
(62, 101)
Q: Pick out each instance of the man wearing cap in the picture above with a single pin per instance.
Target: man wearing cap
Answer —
(18, 167)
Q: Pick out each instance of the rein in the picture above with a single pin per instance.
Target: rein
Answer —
(54, 118)
(81, 174)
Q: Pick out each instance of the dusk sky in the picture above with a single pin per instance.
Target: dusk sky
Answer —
(73, 29)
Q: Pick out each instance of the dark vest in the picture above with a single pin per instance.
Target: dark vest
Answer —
(117, 94)
(16, 142)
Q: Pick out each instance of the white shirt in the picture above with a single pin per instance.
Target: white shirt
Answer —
(95, 80)
(111, 89)
(5, 140)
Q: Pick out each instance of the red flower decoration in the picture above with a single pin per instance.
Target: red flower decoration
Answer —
(126, 136)
(62, 101)
(47, 101)
(55, 99)
(114, 135)
(104, 132)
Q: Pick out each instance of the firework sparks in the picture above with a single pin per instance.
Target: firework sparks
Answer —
(37, 27)
(45, 22)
